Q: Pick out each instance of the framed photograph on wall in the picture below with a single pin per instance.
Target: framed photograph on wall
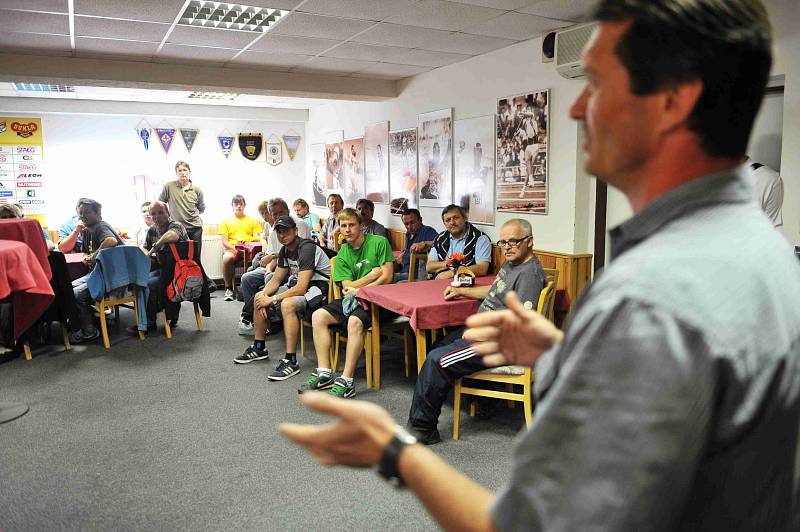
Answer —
(333, 168)
(376, 162)
(435, 152)
(318, 169)
(473, 184)
(353, 180)
(403, 170)
(522, 152)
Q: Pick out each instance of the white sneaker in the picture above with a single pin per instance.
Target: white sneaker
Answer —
(228, 294)
(245, 328)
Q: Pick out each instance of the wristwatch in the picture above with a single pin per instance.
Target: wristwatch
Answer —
(387, 467)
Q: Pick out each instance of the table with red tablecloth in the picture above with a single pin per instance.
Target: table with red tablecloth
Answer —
(29, 231)
(250, 250)
(424, 304)
(398, 255)
(24, 280)
(75, 265)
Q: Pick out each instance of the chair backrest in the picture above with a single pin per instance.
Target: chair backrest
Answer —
(334, 289)
(547, 299)
(414, 267)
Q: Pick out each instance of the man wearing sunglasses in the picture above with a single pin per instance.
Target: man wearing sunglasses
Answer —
(453, 357)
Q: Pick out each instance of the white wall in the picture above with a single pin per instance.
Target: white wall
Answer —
(472, 88)
(97, 155)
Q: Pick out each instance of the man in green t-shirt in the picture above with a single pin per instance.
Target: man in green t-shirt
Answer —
(363, 260)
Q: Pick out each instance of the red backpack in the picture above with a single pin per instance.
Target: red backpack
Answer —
(187, 283)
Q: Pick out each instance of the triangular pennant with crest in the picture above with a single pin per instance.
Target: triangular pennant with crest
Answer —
(189, 135)
(225, 144)
(165, 136)
(274, 150)
(143, 132)
(292, 143)
(250, 145)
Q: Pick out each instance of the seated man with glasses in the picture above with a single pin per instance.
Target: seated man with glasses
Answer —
(453, 356)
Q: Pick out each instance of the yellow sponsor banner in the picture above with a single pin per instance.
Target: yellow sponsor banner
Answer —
(20, 131)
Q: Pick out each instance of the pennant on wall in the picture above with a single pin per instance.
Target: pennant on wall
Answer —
(250, 145)
(143, 132)
(166, 136)
(274, 150)
(292, 143)
(225, 144)
(189, 136)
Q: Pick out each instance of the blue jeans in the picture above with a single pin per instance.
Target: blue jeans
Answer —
(84, 302)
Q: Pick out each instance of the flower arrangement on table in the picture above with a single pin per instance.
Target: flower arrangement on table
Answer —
(462, 276)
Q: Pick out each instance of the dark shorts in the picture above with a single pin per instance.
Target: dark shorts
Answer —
(335, 309)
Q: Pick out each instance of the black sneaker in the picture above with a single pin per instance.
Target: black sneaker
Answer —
(251, 354)
(284, 370)
(426, 436)
(81, 337)
(315, 382)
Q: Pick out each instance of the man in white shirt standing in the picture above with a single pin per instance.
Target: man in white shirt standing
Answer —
(769, 190)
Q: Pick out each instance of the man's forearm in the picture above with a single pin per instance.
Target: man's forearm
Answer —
(456, 501)
(68, 244)
(474, 292)
(435, 266)
(480, 269)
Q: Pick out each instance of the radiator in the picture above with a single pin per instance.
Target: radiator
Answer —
(211, 255)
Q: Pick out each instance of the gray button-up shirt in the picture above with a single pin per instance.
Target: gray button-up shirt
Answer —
(672, 403)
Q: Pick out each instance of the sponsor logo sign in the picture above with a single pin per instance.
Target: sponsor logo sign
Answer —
(24, 130)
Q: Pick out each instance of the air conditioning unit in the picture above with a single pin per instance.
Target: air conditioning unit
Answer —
(569, 45)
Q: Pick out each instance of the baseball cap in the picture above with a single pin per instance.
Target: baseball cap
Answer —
(285, 221)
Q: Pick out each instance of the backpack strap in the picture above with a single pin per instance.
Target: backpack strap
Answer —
(174, 251)
(191, 249)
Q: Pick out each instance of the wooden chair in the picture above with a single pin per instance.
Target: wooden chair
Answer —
(305, 323)
(508, 375)
(115, 303)
(166, 260)
(416, 261)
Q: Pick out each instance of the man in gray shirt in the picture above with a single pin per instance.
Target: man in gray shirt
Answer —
(366, 209)
(672, 400)
(454, 357)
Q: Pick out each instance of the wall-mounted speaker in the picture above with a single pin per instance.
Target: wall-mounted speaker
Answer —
(548, 47)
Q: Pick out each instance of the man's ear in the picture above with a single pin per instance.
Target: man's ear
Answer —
(678, 103)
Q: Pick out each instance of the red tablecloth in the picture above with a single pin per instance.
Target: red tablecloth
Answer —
(250, 247)
(423, 302)
(24, 279)
(29, 231)
(76, 268)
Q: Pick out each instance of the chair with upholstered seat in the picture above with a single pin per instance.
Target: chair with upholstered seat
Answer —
(509, 375)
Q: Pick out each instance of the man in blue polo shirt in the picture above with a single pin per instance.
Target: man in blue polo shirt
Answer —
(459, 236)
(419, 239)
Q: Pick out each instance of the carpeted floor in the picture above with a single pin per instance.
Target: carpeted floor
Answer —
(172, 435)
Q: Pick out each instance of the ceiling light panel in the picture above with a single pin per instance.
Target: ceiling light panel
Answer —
(230, 16)
(204, 95)
(43, 87)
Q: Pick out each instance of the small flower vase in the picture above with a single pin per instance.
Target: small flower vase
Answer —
(455, 265)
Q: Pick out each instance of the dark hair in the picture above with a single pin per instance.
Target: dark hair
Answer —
(349, 213)
(92, 204)
(278, 201)
(368, 203)
(9, 211)
(182, 163)
(337, 196)
(452, 207)
(146, 204)
(725, 44)
(409, 212)
(300, 201)
(238, 198)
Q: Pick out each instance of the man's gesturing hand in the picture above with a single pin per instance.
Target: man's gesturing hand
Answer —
(356, 438)
(512, 336)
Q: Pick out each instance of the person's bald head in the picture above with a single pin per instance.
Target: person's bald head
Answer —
(159, 211)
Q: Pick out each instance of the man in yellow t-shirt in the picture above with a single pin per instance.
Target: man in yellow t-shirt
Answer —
(239, 228)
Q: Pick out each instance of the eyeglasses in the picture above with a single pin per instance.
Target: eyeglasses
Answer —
(511, 242)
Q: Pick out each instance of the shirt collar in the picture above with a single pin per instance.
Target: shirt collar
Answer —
(726, 187)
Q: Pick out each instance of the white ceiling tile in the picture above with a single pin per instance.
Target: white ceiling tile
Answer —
(264, 59)
(54, 6)
(573, 10)
(199, 36)
(275, 4)
(465, 43)
(149, 10)
(195, 53)
(515, 25)
(288, 44)
(87, 45)
(390, 71)
(361, 9)
(305, 25)
(432, 59)
(34, 22)
(120, 29)
(368, 52)
(398, 35)
(32, 41)
(334, 65)
(442, 15)
(497, 4)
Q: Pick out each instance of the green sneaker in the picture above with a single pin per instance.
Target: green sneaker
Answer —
(341, 389)
(315, 382)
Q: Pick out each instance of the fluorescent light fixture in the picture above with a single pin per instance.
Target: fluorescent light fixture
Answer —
(204, 95)
(43, 87)
(234, 17)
